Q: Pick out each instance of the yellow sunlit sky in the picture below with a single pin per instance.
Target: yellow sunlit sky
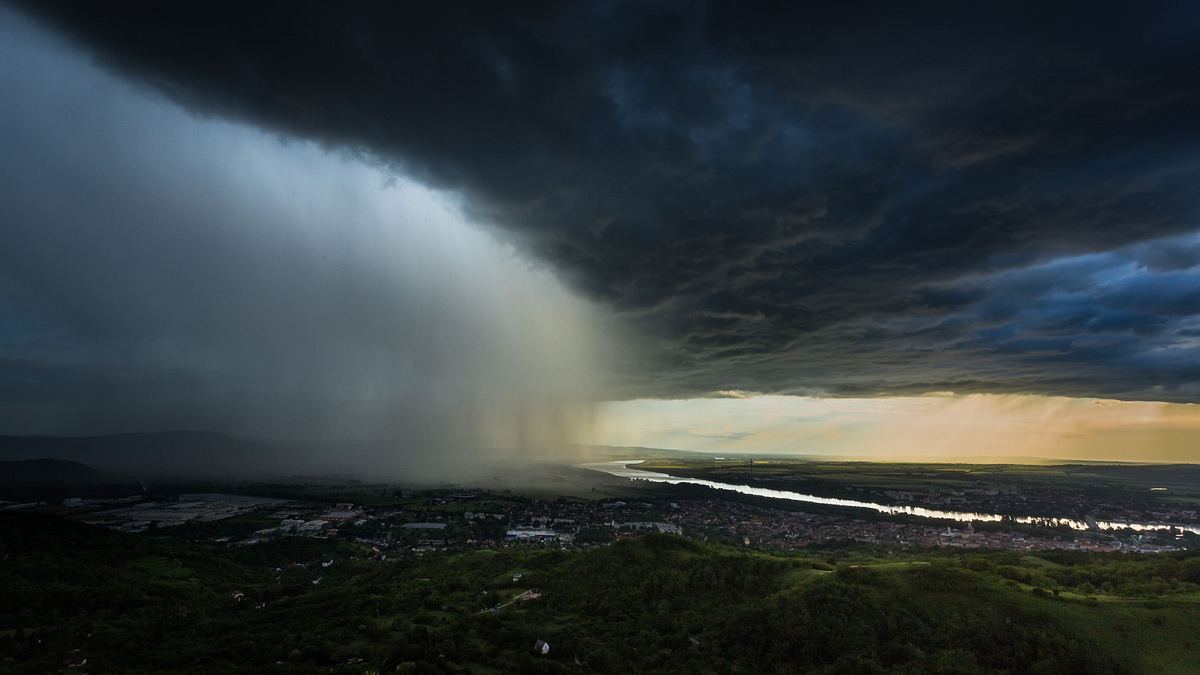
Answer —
(961, 428)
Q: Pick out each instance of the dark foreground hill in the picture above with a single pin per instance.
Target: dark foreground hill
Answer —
(140, 604)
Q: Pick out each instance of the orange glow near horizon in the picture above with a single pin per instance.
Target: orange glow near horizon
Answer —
(953, 428)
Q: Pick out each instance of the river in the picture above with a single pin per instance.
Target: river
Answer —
(624, 469)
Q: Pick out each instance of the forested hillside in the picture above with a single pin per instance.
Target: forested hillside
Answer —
(139, 604)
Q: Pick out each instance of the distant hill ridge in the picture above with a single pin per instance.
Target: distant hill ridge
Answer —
(47, 471)
(164, 452)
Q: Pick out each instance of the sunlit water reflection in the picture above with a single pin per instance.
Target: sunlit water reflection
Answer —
(623, 469)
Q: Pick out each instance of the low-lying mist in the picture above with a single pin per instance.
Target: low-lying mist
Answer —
(164, 271)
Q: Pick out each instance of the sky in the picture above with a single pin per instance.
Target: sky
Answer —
(840, 230)
(163, 270)
(940, 427)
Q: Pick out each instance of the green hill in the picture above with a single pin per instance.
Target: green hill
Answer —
(139, 604)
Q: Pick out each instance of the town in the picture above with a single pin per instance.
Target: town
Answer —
(418, 521)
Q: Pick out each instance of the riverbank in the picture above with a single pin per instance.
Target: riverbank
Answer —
(626, 469)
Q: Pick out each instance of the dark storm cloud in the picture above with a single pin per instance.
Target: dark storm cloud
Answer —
(164, 271)
(857, 199)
